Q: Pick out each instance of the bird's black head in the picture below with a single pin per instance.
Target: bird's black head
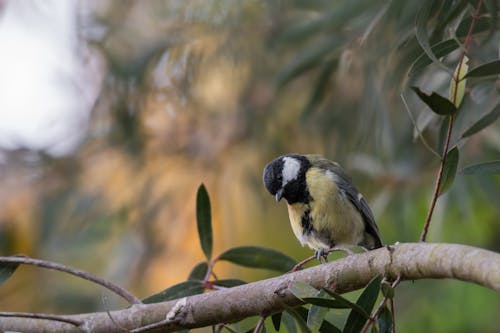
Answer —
(285, 177)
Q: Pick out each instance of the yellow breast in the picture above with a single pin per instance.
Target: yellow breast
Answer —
(333, 216)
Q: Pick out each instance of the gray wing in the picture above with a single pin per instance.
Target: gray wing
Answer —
(345, 184)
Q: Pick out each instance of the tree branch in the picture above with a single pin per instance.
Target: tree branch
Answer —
(410, 261)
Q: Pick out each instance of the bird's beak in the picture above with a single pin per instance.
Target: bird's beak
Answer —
(279, 195)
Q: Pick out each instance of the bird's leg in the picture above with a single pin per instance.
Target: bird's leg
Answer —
(321, 253)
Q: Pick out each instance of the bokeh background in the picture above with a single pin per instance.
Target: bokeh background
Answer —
(113, 112)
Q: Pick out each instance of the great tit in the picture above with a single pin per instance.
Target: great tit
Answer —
(325, 209)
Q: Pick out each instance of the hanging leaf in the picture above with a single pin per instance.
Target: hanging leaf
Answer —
(488, 168)
(440, 49)
(423, 16)
(327, 327)
(276, 319)
(384, 321)
(316, 313)
(308, 59)
(299, 319)
(289, 322)
(449, 171)
(436, 102)
(6, 270)
(483, 122)
(302, 290)
(183, 289)
(366, 301)
(489, 69)
(458, 81)
(347, 303)
(199, 271)
(259, 257)
(204, 220)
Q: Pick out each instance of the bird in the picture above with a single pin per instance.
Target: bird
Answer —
(326, 210)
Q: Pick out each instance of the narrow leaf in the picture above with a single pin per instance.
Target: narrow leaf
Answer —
(316, 314)
(384, 320)
(488, 168)
(6, 270)
(289, 322)
(483, 122)
(436, 102)
(347, 303)
(230, 329)
(199, 271)
(327, 327)
(457, 84)
(423, 16)
(302, 290)
(440, 49)
(299, 319)
(489, 69)
(326, 302)
(276, 319)
(366, 301)
(204, 220)
(450, 170)
(482, 24)
(229, 283)
(258, 257)
(183, 289)
(310, 58)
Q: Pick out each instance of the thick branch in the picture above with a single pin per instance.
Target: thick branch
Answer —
(410, 261)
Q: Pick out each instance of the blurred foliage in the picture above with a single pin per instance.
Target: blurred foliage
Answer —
(209, 91)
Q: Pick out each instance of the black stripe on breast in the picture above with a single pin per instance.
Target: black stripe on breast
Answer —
(306, 223)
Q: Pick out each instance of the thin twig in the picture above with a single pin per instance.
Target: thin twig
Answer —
(73, 271)
(419, 132)
(393, 316)
(456, 78)
(52, 317)
(259, 325)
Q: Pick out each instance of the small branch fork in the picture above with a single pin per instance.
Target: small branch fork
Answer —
(457, 79)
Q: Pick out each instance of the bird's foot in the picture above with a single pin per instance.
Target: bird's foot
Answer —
(322, 254)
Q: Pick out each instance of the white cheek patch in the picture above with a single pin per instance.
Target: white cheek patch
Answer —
(291, 168)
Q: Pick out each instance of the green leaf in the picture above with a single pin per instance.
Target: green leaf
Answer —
(183, 289)
(316, 314)
(440, 49)
(326, 302)
(458, 81)
(366, 301)
(308, 59)
(204, 220)
(436, 102)
(384, 321)
(199, 271)
(302, 290)
(347, 303)
(6, 270)
(229, 283)
(327, 327)
(289, 322)
(230, 329)
(489, 69)
(483, 122)
(450, 170)
(299, 319)
(482, 24)
(258, 257)
(276, 319)
(489, 168)
(421, 20)
(320, 87)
